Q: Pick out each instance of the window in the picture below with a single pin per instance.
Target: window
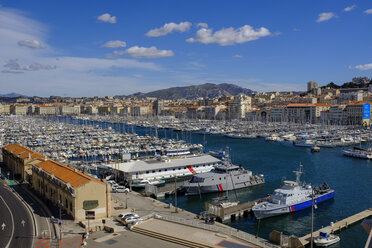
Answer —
(71, 206)
(166, 169)
(147, 172)
(153, 171)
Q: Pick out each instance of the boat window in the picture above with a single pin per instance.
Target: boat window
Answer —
(220, 179)
(147, 172)
(166, 169)
(153, 171)
(195, 179)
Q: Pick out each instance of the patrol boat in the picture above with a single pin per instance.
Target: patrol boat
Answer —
(223, 177)
(292, 197)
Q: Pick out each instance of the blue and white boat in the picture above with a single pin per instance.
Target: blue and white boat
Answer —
(291, 197)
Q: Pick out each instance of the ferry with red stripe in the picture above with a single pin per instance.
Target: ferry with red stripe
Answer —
(223, 177)
(292, 197)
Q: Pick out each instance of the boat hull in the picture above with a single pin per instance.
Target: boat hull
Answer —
(195, 189)
(283, 209)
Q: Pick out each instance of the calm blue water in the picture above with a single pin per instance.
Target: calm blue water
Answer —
(350, 178)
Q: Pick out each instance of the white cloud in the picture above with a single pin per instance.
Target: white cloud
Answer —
(13, 65)
(238, 56)
(107, 18)
(115, 44)
(88, 64)
(350, 8)
(142, 52)
(202, 25)
(364, 67)
(325, 16)
(368, 11)
(39, 72)
(34, 44)
(169, 28)
(229, 36)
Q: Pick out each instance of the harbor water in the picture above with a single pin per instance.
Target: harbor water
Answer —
(350, 178)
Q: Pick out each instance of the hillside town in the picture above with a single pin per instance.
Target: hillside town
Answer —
(318, 105)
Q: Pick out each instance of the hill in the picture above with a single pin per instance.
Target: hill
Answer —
(207, 90)
(13, 95)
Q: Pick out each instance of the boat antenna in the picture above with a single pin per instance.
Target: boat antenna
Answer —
(298, 173)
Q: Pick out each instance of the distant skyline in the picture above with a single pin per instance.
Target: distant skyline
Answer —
(107, 48)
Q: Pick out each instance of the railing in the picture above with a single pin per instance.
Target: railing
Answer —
(223, 230)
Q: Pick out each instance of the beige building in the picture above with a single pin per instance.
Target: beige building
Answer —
(240, 105)
(312, 85)
(141, 110)
(17, 109)
(45, 110)
(4, 109)
(69, 110)
(73, 191)
(305, 112)
(20, 159)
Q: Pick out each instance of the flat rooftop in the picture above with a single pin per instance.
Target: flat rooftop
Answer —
(143, 165)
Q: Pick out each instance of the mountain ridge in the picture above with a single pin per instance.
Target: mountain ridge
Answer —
(207, 90)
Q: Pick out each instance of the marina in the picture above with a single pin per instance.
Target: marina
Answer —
(273, 159)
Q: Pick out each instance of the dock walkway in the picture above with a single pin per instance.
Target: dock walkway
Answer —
(339, 225)
(225, 213)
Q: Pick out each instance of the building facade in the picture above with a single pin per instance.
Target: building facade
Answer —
(19, 160)
(71, 190)
(239, 106)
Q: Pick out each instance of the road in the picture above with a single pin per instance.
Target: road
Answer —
(44, 227)
(16, 224)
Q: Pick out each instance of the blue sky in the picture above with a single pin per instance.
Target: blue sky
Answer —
(88, 48)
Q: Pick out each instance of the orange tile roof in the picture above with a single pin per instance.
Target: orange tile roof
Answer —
(309, 105)
(358, 102)
(66, 174)
(22, 152)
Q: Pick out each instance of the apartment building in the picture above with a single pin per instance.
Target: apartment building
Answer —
(18, 109)
(305, 112)
(240, 105)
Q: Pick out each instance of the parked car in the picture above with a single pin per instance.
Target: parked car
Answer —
(129, 220)
(123, 215)
(121, 189)
(111, 181)
(114, 186)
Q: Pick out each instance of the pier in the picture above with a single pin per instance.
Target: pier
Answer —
(225, 212)
(339, 225)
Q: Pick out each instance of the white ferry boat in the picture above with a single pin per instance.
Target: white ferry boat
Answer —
(291, 197)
